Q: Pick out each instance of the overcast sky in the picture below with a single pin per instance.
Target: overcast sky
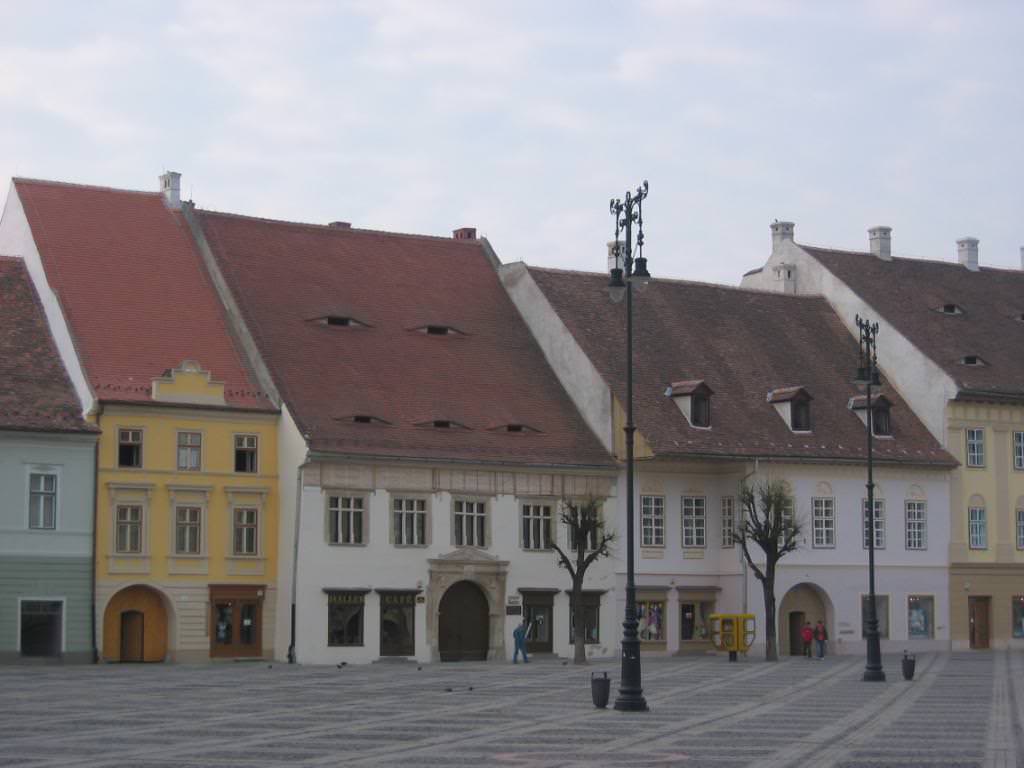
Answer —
(523, 118)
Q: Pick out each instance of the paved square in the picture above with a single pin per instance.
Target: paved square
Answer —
(961, 710)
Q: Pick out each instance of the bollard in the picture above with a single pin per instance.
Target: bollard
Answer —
(909, 662)
(600, 689)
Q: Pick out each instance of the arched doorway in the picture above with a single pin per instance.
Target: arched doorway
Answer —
(804, 602)
(135, 626)
(463, 619)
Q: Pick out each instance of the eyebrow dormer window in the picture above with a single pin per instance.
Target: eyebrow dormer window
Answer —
(972, 360)
(800, 415)
(442, 424)
(951, 309)
(340, 321)
(439, 330)
(363, 418)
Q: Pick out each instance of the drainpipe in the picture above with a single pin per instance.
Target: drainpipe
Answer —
(95, 537)
(743, 560)
(295, 559)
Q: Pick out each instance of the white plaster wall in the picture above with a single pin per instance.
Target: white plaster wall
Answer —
(571, 365)
(291, 455)
(16, 240)
(380, 565)
(922, 383)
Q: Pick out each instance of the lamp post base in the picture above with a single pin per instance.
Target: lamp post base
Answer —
(873, 669)
(631, 692)
(873, 675)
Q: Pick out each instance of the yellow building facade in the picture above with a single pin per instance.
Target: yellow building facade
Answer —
(987, 525)
(187, 524)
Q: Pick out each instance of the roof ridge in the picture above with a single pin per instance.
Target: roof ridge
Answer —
(679, 281)
(941, 262)
(76, 185)
(328, 227)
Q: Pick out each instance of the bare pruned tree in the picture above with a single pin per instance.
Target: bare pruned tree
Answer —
(768, 521)
(588, 542)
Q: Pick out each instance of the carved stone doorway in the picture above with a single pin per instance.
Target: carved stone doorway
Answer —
(484, 572)
(463, 622)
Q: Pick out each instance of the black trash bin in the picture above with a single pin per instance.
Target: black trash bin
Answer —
(600, 689)
(909, 662)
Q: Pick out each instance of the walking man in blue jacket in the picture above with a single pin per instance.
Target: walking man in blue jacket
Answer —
(519, 635)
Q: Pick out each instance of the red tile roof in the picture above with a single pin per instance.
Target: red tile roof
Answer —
(910, 293)
(133, 288)
(490, 375)
(742, 344)
(35, 391)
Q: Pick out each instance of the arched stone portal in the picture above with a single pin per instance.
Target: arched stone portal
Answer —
(803, 602)
(462, 622)
(135, 626)
(487, 575)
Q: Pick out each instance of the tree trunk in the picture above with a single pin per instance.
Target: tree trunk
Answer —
(579, 639)
(771, 651)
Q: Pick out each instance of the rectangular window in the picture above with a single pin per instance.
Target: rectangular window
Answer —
(128, 530)
(920, 616)
(917, 525)
(245, 453)
(190, 447)
(694, 521)
(470, 527)
(592, 535)
(345, 519)
(1018, 615)
(129, 448)
(977, 526)
(976, 447)
(345, 618)
(188, 530)
(397, 623)
(410, 522)
(652, 521)
(591, 618)
(651, 617)
(1020, 529)
(824, 522)
(728, 521)
(536, 526)
(879, 524)
(788, 515)
(1018, 450)
(42, 501)
(881, 611)
(246, 531)
(42, 627)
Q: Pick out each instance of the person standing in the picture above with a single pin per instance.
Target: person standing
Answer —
(820, 636)
(807, 636)
(519, 635)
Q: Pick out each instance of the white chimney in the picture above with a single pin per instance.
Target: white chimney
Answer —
(881, 242)
(1022, 257)
(170, 185)
(967, 252)
(614, 262)
(781, 231)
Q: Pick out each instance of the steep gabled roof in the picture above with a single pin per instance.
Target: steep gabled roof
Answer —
(35, 391)
(417, 394)
(134, 291)
(910, 294)
(743, 344)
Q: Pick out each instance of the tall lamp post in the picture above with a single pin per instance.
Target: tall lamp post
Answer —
(867, 374)
(626, 212)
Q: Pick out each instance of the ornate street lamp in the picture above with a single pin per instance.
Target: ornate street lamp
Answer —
(627, 271)
(867, 374)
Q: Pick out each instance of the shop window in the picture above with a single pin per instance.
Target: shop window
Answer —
(345, 618)
(41, 627)
(920, 617)
(693, 619)
(397, 624)
(651, 617)
(591, 602)
(1018, 616)
(882, 612)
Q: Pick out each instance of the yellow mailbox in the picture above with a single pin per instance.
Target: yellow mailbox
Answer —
(732, 632)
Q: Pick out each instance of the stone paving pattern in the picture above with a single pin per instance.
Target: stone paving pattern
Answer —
(961, 711)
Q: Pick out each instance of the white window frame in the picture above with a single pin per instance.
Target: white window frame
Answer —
(200, 525)
(591, 543)
(913, 506)
(977, 528)
(417, 506)
(728, 521)
(471, 515)
(652, 521)
(189, 447)
(141, 443)
(257, 525)
(1018, 450)
(1020, 529)
(43, 470)
(879, 523)
(536, 521)
(63, 620)
(245, 438)
(694, 517)
(141, 524)
(975, 446)
(341, 505)
(823, 516)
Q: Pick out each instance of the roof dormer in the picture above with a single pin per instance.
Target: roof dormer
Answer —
(793, 404)
(362, 418)
(881, 419)
(972, 361)
(442, 424)
(338, 320)
(950, 309)
(438, 329)
(693, 399)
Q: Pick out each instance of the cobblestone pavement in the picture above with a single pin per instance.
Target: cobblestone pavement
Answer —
(962, 710)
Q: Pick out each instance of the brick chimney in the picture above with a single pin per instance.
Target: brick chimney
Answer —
(880, 239)
(465, 233)
(781, 232)
(340, 225)
(170, 186)
(967, 252)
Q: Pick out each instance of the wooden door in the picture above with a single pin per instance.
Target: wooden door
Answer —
(463, 623)
(686, 622)
(978, 608)
(538, 608)
(235, 622)
(132, 636)
(796, 624)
